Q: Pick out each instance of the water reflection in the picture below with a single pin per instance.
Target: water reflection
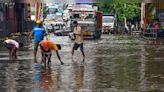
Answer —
(79, 75)
(154, 73)
(117, 66)
(37, 68)
(46, 81)
(3, 78)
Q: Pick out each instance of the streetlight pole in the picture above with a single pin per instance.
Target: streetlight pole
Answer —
(124, 15)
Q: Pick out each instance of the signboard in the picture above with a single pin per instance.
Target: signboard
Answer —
(83, 8)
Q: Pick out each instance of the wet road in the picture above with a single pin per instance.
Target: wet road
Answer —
(113, 64)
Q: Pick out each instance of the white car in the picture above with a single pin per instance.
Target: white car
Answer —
(49, 20)
(50, 17)
(66, 15)
(59, 21)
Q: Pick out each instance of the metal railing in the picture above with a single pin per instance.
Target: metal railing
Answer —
(150, 33)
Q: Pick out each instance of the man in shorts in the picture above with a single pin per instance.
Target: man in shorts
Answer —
(46, 47)
(38, 32)
(78, 34)
(12, 45)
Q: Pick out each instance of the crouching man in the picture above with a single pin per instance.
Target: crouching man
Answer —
(46, 47)
(12, 45)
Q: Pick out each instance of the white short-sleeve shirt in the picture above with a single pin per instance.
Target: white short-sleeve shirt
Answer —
(10, 41)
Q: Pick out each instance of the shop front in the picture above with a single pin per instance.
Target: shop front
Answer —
(153, 18)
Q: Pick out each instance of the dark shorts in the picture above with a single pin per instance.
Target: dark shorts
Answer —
(76, 46)
(36, 44)
(44, 52)
(8, 45)
(47, 54)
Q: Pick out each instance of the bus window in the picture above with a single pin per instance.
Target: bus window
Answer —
(76, 16)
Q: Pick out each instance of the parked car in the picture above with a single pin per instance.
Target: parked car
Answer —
(66, 15)
(49, 21)
(62, 32)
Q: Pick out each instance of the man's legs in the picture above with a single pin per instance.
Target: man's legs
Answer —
(36, 43)
(46, 55)
(49, 58)
(10, 54)
(73, 51)
(75, 47)
(10, 47)
(82, 50)
(44, 58)
(13, 52)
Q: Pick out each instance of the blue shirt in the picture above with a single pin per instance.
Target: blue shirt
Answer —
(38, 33)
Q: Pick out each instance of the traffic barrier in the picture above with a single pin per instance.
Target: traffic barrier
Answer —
(150, 33)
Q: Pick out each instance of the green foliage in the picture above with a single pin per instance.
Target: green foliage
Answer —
(119, 1)
(128, 10)
(45, 10)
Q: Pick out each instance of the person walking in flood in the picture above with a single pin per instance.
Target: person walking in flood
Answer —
(12, 45)
(78, 34)
(38, 32)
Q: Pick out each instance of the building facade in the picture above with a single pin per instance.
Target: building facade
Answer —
(13, 17)
(150, 12)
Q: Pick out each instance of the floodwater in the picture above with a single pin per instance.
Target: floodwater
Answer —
(114, 63)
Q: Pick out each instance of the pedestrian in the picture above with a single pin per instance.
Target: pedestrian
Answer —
(156, 24)
(38, 32)
(46, 47)
(132, 28)
(52, 28)
(12, 45)
(79, 38)
(126, 29)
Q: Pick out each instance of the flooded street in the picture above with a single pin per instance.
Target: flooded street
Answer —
(114, 63)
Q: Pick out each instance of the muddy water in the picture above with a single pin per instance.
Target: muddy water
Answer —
(113, 64)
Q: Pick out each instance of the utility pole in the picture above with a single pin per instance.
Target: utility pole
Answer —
(125, 16)
(142, 14)
(38, 8)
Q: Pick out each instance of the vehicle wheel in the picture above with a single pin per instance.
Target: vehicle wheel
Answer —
(94, 37)
(60, 34)
(112, 32)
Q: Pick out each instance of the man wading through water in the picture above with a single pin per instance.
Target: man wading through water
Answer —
(38, 32)
(78, 34)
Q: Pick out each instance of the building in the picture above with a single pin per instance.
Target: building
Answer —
(150, 12)
(13, 17)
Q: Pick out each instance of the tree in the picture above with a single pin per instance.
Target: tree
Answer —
(123, 10)
(128, 11)
(45, 11)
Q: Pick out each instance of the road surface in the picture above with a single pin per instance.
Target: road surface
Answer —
(114, 63)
